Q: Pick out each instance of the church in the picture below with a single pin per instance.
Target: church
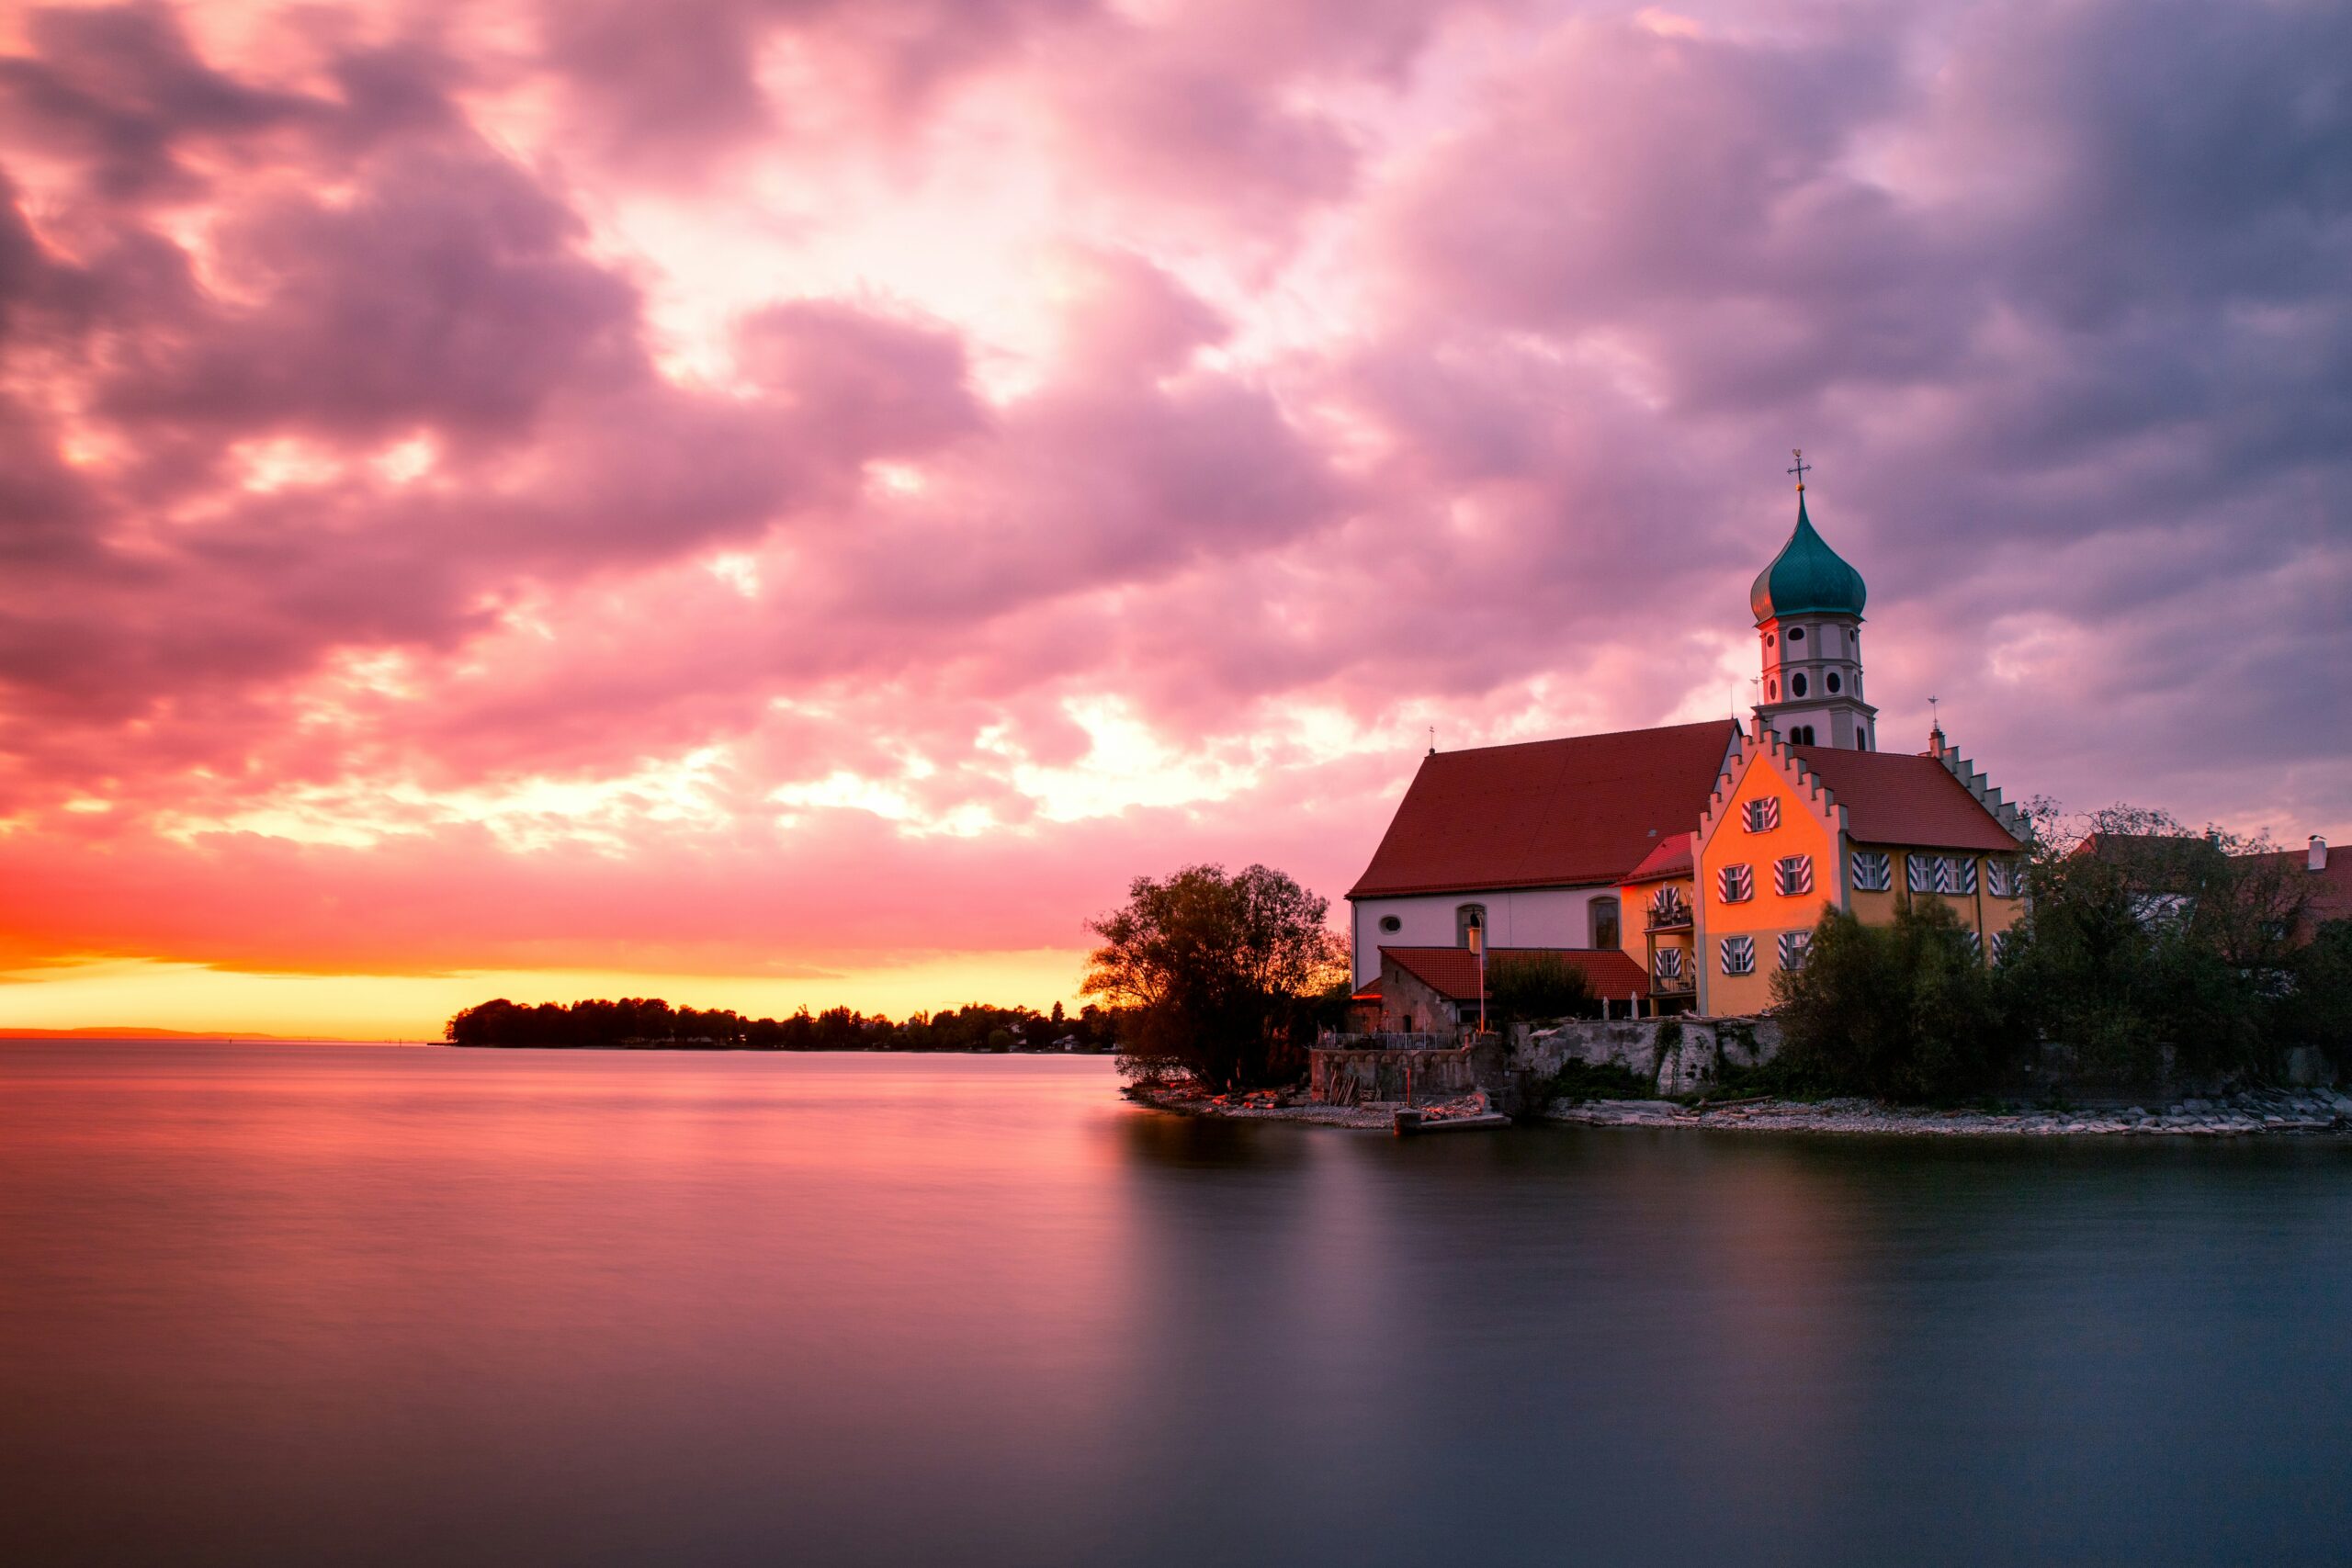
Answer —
(1679, 867)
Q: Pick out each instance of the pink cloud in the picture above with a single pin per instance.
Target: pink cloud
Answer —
(390, 581)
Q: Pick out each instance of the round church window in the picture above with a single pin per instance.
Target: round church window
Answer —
(1796, 634)
(1796, 685)
(1391, 924)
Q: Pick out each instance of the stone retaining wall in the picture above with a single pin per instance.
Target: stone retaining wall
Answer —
(1339, 1076)
(1679, 1055)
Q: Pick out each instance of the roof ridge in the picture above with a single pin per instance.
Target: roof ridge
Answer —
(1598, 735)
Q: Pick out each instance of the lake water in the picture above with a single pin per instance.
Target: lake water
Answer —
(280, 1304)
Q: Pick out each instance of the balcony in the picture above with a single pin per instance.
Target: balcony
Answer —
(1678, 986)
(1676, 920)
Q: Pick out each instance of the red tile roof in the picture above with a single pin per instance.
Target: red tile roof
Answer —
(2328, 890)
(1454, 971)
(1546, 813)
(1367, 992)
(1893, 798)
(1671, 858)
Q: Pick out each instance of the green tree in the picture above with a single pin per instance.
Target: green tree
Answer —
(1220, 973)
(1904, 1011)
(2141, 937)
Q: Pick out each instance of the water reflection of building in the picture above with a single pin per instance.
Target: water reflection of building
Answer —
(1678, 867)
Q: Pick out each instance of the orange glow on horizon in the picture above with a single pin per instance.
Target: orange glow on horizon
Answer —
(151, 994)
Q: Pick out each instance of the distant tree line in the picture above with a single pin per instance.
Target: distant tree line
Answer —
(649, 1022)
(2145, 950)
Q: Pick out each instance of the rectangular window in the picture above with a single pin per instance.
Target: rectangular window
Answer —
(2004, 879)
(1739, 955)
(1793, 875)
(1737, 884)
(1793, 948)
(1874, 871)
(1920, 872)
(1962, 875)
(1669, 964)
(1763, 816)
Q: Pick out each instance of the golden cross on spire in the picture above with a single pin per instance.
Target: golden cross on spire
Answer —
(1798, 453)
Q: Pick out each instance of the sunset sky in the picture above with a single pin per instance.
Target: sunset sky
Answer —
(766, 501)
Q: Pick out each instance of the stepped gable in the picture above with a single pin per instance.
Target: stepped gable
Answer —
(1568, 813)
(1892, 798)
(1453, 972)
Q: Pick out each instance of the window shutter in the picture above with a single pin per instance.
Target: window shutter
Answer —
(1793, 875)
(1737, 884)
(1793, 948)
(1763, 816)
(1964, 874)
(1739, 955)
(1874, 871)
(1669, 964)
(1921, 873)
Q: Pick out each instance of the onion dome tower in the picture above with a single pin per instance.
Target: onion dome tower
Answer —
(1808, 607)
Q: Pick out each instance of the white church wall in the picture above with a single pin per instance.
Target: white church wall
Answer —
(1520, 917)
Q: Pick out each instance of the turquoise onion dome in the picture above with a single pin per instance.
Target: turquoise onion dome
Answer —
(1807, 578)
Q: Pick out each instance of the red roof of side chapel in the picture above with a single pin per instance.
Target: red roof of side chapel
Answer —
(1546, 813)
(1454, 971)
(1894, 798)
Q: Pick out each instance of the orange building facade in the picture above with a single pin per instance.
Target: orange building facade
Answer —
(1798, 830)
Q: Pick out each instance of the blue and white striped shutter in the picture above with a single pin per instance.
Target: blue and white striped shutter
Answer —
(1669, 964)
(1794, 945)
(1874, 871)
(2000, 945)
(1763, 816)
(1921, 871)
(1737, 884)
(1793, 874)
(1964, 874)
(1739, 955)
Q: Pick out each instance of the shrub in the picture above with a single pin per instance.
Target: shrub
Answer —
(1536, 988)
(1904, 1011)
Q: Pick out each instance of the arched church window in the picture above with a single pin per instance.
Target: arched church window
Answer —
(1467, 918)
(1796, 685)
(1834, 685)
(1604, 922)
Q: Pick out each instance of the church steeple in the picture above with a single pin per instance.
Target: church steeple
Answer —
(1808, 605)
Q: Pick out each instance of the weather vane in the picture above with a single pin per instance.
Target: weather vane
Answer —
(1798, 453)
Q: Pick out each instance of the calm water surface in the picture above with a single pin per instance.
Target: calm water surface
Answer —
(361, 1304)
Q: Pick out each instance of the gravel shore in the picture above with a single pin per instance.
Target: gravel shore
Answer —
(2245, 1115)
